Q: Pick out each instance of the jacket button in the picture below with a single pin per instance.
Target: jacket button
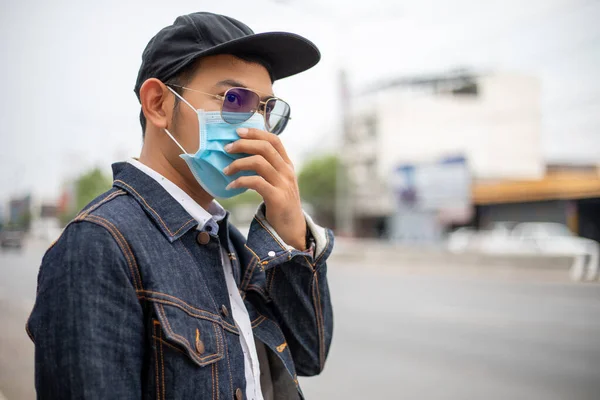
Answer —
(224, 310)
(203, 238)
(238, 394)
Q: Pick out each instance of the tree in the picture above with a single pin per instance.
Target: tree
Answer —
(317, 182)
(249, 197)
(88, 186)
(24, 221)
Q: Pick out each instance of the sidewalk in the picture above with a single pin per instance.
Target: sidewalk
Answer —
(390, 254)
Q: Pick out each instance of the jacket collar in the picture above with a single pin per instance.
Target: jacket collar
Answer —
(170, 217)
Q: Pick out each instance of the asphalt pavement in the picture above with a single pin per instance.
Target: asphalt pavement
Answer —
(405, 332)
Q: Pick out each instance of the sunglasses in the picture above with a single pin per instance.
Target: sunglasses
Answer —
(239, 104)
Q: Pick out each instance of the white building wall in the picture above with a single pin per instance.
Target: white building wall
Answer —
(498, 131)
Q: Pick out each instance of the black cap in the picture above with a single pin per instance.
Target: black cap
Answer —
(204, 34)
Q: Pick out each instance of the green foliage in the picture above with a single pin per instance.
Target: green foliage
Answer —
(88, 186)
(249, 197)
(24, 221)
(317, 182)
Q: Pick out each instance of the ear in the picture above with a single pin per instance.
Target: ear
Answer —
(157, 105)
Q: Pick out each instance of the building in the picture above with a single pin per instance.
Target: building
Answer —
(493, 121)
(401, 132)
(569, 195)
(20, 211)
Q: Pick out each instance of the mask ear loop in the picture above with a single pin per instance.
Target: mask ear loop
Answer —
(167, 131)
(175, 140)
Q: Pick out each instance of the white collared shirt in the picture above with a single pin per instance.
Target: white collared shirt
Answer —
(214, 214)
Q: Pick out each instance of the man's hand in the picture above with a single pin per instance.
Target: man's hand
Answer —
(276, 182)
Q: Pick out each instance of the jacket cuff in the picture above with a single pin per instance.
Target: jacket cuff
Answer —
(268, 246)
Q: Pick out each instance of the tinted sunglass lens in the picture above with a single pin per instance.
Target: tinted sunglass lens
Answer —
(277, 114)
(239, 105)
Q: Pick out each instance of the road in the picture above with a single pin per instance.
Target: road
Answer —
(405, 333)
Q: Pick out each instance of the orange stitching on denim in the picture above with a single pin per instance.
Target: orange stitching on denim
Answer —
(126, 245)
(249, 268)
(250, 272)
(162, 362)
(229, 368)
(170, 345)
(164, 315)
(219, 322)
(92, 208)
(99, 221)
(219, 339)
(194, 260)
(212, 379)
(139, 277)
(324, 249)
(322, 332)
(270, 233)
(217, 373)
(54, 242)
(156, 367)
(258, 289)
(109, 197)
(183, 226)
(318, 320)
(247, 274)
(312, 267)
(286, 254)
(251, 251)
(272, 279)
(201, 360)
(143, 292)
(155, 213)
(123, 245)
(258, 321)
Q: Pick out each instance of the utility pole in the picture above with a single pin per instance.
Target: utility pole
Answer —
(344, 207)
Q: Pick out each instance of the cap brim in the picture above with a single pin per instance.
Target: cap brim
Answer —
(286, 53)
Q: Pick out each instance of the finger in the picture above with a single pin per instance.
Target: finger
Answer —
(253, 133)
(255, 163)
(254, 182)
(259, 147)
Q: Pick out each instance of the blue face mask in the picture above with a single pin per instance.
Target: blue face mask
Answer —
(208, 162)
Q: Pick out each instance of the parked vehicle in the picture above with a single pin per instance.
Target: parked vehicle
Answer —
(11, 238)
(543, 238)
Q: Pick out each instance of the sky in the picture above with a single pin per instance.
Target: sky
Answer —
(68, 70)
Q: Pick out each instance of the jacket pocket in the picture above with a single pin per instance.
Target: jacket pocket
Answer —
(200, 337)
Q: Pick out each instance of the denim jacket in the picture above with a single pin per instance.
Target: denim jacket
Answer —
(132, 303)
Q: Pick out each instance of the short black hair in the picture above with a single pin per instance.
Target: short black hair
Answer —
(187, 74)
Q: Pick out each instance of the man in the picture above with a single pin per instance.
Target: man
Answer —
(150, 292)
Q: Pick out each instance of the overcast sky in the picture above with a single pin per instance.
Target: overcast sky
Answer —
(68, 70)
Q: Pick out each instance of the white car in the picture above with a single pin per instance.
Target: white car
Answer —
(543, 238)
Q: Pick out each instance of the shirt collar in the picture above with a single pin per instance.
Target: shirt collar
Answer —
(215, 211)
(173, 217)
